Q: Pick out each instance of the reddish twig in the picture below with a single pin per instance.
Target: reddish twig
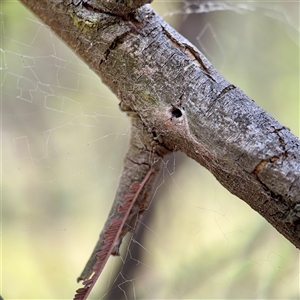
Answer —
(111, 236)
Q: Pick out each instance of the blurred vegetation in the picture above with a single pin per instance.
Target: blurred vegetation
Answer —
(64, 140)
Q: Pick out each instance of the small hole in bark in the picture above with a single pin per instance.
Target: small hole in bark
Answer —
(176, 113)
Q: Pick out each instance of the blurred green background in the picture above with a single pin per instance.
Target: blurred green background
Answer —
(63, 143)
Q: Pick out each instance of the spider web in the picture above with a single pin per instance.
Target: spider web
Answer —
(63, 143)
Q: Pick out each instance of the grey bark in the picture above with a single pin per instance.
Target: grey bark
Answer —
(182, 103)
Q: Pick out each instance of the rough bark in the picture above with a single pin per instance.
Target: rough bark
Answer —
(182, 103)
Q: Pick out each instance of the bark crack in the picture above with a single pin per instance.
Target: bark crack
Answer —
(281, 142)
(116, 42)
(288, 212)
(89, 7)
(118, 8)
(262, 164)
(226, 90)
(259, 167)
(189, 51)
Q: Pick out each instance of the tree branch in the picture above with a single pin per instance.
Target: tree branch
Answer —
(118, 8)
(142, 156)
(184, 104)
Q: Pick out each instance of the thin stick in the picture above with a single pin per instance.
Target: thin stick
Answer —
(111, 237)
